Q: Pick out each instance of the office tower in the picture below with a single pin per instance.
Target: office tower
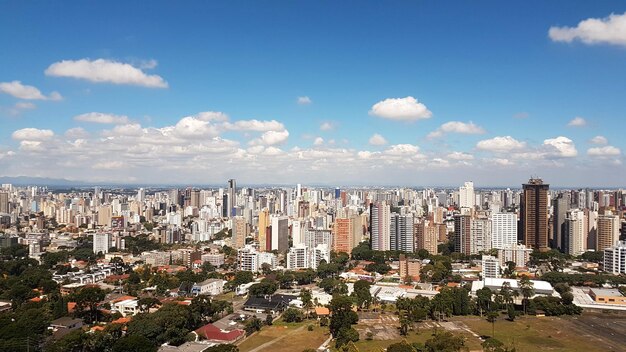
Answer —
(101, 243)
(462, 233)
(264, 227)
(575, 232)
(240, 232)
(426, 236)
(337, 193)
(480, 235)
(379, 226)
(280, 234)
(534, 214)
(490, 267)
(4, 203)
(615, 258)
(608, 231)
(401, 236)
(503, 229)
(232, 197)
(467, 198)
(314, 237)
(592, 228)
(560, 206)
(195, 198)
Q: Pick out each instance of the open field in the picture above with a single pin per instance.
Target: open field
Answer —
(284, 337)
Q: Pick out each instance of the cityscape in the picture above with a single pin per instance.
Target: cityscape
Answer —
(355, 176)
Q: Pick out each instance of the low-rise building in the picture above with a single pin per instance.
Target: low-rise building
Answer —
(210, 287)
(607, 296)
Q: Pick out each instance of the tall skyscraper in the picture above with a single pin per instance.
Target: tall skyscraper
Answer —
(240, 232)
(480, 235)
(280, 233)
(608, 231)
(232, 197)
(426, 236)
(401, 233)
(462, 234)
(575, 232)
(534, 214)
(4, 202)
(467, 198)
(560, 206)
(101, 243)
(347, 233)
(503, 230)
(379, 226)
(264, 226)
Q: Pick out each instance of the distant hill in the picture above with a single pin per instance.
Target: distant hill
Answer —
(39, 181)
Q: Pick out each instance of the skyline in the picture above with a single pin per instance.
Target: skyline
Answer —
(314, 93)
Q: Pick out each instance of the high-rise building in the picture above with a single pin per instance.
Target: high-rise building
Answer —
(141, 195)
(503, 229)
(534, 214)
(231, 197)
(101, 243)
(401, 236)
(517, 253)
(467, 198)
(560, 206)
(426, 236)
(615, 258)
(575, 232)
(280, 233)
(4, 203)
(480, 235)
(409, 267)
(490, 267)
(379, 226)
(462, 234)
(608, 231)
(240, 232)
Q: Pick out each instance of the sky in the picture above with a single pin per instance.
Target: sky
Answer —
(408, 93)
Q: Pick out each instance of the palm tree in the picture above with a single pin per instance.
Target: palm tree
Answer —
(527, 289)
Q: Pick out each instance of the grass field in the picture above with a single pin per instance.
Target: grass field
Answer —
(420, 336)
(285, 337)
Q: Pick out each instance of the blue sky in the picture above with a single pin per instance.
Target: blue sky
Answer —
(492, 64)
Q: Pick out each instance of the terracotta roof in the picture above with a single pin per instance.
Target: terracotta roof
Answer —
(71, 306)
(122, 320)
(123, 298)
(212, 332)
(97, 328)
(322, 311)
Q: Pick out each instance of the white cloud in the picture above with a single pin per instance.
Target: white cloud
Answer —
(377, 139)
(212, 116)
(32, 134)
(318, 141)
(402, 109)
(108, 165)
(604, 151)
(76, 133)
(460, 156)
(326, 126)
(254, 125)
(599, 140)
(456, 127)
(98, 117)
(304, 100)
(402, 149)
(105, 71)
(560, 147)
(191, 127)
(608, 30)
(500, 144)
(501, 161)
(271, 138)
(21, 91)
(21, 106)
(577, 122)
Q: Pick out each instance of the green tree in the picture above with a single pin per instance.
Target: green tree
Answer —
(400, 347)
(527, 289)
(89, 297)
(269, 320)
(341, 320)
(492, 317)
(444, 341)
(362, 294)
(252, 325)
(133, 343)
(293, 315)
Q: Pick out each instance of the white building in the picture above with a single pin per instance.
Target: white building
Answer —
(480, 236)
(576, 227)
(210, 287)
(490, 267)
(215, 259)
(615, 258)
(380, 226)
(126, 307)
(248, 259)
(467, 199)
(503, 230)
(304, 257)
(517, 253)
(101, 243)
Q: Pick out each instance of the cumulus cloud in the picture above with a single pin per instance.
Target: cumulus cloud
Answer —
(212, 116)
(599, 140)
(32, 134)
(377, 139)
(402, 109)
(105, 71)
(460, 156)
(254, 125)
(500, 144)
(22, 91)
(326, 126)
(98, 117)
(271, 138)
(402, 149)
(456, 127)
(577, 122)
(604, 151)
(560, 147)
(318, 141)
(608, 30)
(304, 100)
(76, 133)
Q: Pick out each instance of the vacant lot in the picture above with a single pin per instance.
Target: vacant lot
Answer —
(582, 333)
(282, 337)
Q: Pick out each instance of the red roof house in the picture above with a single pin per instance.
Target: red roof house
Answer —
(212, 332)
